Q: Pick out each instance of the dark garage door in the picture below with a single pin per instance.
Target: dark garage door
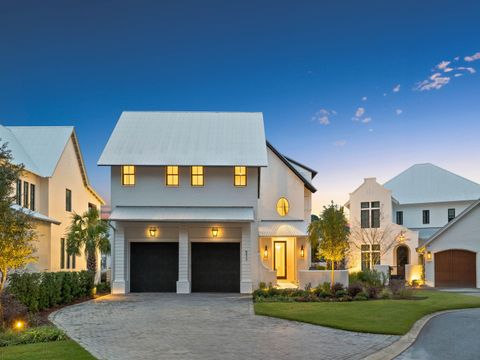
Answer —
(153, 267)
(455, 268)
(216, 267)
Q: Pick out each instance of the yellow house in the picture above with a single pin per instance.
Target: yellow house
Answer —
(53, 186)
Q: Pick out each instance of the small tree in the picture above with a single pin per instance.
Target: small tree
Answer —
(331, 233)
(16, 226)
(90, 233)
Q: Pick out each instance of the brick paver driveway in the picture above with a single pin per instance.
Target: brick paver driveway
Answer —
(201, 326)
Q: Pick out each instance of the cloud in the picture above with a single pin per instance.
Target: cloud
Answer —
(396, 88)
(473, 57)
(456, 58)
(364, 98)
(471, 70)
(458, 75)
(436, 81)
(366, 120)
(398, 111)
(323, 116)
(340, 142)
(360, 111)
(384, 94)
(443, 65)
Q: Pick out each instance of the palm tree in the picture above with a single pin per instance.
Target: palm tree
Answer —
(90, 233)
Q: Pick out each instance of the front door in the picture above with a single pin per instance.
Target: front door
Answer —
(402, 260)
(280, 259)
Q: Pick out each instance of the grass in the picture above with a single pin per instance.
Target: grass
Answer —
(376, 316)
(57, 350)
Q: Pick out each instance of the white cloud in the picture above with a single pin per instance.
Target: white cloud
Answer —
(366, 120)
(448, 69)
(456, 58)
(436, 81)
(360, 111)
(443, 65)
(323, 116)
(398, 111)
(364, 98)
(473, 57)
(458, 75)
(340, 142)
(384, 94)
(396, 88)
(471, 70)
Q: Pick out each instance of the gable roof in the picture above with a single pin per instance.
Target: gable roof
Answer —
(428, 183)
(463, 214)
(39, 149)
(297, 165)
(306, 182)
(187, 139)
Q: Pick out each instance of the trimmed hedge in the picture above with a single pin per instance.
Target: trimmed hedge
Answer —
(38, 291)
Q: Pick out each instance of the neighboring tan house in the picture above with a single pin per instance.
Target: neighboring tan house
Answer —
(202, 203)
(408, 210)
(53, 186)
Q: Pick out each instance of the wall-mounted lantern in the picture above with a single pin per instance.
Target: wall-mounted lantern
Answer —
(429, 256)
(152, 231)
(214, 232)
(401, 237)
(302, 252)
(265, 252)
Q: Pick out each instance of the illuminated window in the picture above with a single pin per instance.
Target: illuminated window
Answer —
(128, 175)
(197, 176)
(172, 176)
(240, 178)
(282, 207)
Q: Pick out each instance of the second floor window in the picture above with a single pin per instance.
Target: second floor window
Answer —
(32, 197)
(370, 214)
(451, 214)
(197, 176)
(172, 176)
(25, 194)
(18, 198)
(68, 200)
(426, 216)
(240, 177)
(128, 175)
(399, 217)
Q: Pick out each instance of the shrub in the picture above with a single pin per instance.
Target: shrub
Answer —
(354, 289)
(337, 287)
(326, 287)
(26, 288)
(415, 283)
(405, 293)
(31, 336)
(340, 293)
(103, 287)
(307, 298)
(262, 285)
(361, 296)
(373, 291)
(396, 286)
(371, 277)
(13, 309)
(385, 294)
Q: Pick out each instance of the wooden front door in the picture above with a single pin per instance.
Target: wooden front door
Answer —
(455, 268)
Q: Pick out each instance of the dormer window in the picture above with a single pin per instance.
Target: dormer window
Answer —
(197, 176)
(240, 177)
(128, 175)
(172, 176)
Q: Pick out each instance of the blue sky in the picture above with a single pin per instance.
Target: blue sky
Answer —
(309, 66)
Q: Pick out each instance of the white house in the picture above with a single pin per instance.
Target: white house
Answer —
(201, 202)
(53, 186)
(408, 210)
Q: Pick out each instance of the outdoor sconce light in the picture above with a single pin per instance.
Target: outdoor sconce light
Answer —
(401, 238)
(429, 256)
(302, 252)
(152, 231)
(214, 232)
(265, 252)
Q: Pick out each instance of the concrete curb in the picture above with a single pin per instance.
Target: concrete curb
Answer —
(393, 350)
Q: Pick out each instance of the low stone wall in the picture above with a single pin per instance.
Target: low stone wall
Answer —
(318, 277)
(413, 272)
(385, 270)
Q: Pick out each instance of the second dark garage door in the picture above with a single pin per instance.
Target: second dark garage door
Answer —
(153, 267)
(455, 268)
(216, 267)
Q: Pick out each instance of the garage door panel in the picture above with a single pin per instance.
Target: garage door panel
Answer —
(153, 267)
(455, 268)
(215, 267)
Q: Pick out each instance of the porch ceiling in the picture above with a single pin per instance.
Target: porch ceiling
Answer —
(179, 213)
(284, 228)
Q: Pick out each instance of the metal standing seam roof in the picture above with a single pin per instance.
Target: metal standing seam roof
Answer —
(428, 183)
(187, 139)
(181, 213)
(36, 215)
(283, 228)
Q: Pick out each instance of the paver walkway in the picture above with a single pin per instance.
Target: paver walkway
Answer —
(452, 335)
(202, 326)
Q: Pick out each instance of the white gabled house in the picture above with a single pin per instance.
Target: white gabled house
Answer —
(413, 206)
(53, 186)
(202, 203)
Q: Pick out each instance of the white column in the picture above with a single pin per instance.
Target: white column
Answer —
(183, 283)
(119, 261)
(246, 255)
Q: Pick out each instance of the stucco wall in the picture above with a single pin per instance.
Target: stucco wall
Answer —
(318, 277)
(463, 235)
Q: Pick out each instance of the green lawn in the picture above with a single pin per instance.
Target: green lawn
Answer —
(56, 350)
(374, 316)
